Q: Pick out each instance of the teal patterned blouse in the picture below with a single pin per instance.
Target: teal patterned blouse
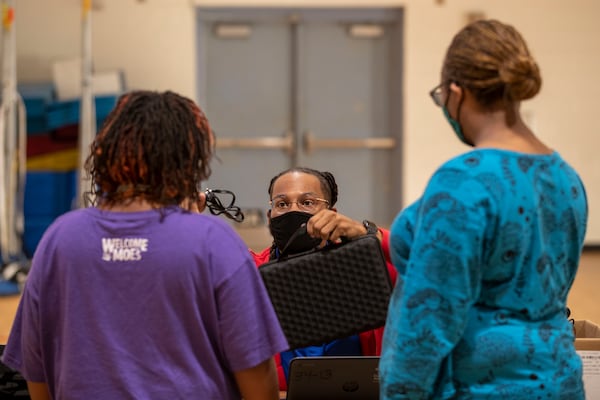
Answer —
(486, 258)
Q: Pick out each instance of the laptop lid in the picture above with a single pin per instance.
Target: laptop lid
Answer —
(333, 377)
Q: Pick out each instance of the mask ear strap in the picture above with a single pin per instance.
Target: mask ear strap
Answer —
(297, 233)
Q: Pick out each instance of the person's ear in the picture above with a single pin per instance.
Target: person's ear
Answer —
(201, 202)
(456, 90)
(455, 95)
(196, 206)
(268, 217)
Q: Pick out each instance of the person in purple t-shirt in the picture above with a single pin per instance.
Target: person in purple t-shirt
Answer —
(137, 297)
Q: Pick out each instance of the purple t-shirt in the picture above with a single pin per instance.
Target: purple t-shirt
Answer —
(128, 305)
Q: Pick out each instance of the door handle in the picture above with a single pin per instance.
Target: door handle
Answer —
(311, 143)
(285, 143)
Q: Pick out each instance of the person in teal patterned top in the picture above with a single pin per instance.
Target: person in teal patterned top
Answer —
(487, 255)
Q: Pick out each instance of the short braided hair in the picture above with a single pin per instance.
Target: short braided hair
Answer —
(326, 179)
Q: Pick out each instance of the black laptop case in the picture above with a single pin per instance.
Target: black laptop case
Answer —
(329, 293)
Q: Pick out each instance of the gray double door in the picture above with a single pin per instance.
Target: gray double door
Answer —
(311, 87)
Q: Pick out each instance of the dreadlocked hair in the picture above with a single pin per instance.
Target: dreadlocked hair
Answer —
(152, 146)
(326, 179)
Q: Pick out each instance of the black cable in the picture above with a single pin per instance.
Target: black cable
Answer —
(216, 207)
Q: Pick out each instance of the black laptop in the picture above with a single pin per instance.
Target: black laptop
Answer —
(334, 378)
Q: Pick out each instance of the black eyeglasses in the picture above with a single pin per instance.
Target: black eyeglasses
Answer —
(436, 95)
(305, 203)
(215, 200)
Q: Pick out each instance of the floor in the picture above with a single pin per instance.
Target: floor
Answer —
(583, 299)
(8, 307)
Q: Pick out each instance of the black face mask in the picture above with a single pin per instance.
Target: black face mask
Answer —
(283, 227)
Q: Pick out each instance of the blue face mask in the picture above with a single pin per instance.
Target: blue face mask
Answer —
(456, 127)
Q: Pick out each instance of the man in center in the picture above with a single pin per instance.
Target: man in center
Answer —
(303, 195)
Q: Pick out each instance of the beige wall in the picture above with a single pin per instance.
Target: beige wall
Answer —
(153, 42)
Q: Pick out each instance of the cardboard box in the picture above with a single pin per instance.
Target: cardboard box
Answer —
(587, 344)
(587, 335)
(67, 80)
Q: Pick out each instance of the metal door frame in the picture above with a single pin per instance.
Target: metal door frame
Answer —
(394, 15)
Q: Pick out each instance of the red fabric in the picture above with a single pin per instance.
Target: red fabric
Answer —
(370, 341)
(47, 143)
(260, 259)
(280, 373)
